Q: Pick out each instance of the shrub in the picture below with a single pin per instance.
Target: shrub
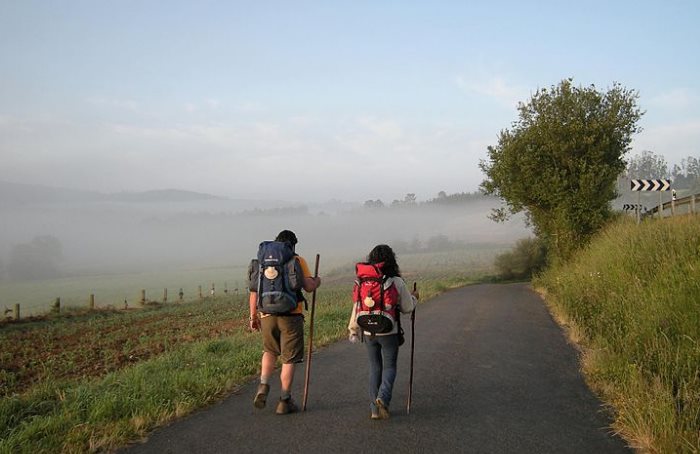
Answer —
(527, 258)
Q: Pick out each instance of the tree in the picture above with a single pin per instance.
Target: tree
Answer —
(410, 199)
(686, 175)
(400, 246)
(374, 203)
(38, 259)
(459, 198)
(560, 161)
(647, 166)
(439, 242)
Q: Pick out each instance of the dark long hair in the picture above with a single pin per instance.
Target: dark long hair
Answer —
(383, 253)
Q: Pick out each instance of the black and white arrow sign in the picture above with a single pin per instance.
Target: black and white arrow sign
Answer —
(650, 185)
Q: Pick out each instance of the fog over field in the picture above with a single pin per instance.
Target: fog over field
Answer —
(59, 232)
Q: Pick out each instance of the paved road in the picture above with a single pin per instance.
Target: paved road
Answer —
(493, 374)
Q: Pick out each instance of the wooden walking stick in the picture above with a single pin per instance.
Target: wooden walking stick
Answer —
(413, 342)
(311, 339)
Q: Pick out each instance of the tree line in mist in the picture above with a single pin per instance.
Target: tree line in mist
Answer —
(409, 201)
(649, 165)
(45, 242)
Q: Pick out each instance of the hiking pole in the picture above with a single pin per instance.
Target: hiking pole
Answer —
(413, 343)
(311, 339)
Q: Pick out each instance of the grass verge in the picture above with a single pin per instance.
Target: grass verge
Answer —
(631, 301)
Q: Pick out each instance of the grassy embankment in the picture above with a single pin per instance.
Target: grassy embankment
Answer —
(97, 380)
(632, 301)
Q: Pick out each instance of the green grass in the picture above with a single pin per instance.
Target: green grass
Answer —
(103, 413)
(632, 299)
(171, 360)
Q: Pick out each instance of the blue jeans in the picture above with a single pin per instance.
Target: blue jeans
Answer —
(383, 352)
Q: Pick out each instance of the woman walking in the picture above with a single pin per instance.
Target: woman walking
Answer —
(382, 347)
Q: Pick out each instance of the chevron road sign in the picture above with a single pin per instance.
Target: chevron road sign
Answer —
(633, 206)
(650, 185)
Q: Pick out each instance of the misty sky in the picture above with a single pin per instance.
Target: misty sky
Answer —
(358, 100)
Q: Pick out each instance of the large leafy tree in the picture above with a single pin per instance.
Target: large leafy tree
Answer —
(559, 161)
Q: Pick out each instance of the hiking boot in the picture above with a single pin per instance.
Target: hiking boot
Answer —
(261, 396)
(285, 406)
(382, 409)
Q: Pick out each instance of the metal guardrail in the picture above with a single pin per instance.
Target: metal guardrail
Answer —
(674, 205)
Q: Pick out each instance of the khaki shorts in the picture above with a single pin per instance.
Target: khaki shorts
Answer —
(283, 336)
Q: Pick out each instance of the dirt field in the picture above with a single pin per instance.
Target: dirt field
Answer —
(95, 343)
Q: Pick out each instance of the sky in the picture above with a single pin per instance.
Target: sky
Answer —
(318, 100)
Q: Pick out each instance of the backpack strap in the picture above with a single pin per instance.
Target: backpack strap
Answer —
(299, 293)
(399, 330)
(258, 294)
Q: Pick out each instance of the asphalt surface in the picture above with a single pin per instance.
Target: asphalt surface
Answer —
(493, 374)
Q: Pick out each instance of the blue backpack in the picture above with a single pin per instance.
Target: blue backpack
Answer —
(277, 278)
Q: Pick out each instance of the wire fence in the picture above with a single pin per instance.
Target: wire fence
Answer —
(15, 313)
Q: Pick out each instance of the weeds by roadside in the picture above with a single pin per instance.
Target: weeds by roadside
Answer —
(631, 298)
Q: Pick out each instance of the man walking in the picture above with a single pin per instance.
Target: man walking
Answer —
(282, 330)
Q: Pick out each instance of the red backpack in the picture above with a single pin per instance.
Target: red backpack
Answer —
(376, 305)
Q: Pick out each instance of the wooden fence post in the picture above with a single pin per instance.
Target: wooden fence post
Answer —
(56, 306)
(16, 311)
(165, 295)
(181, 294)
(92, 301)
(143, 297)
(200, 292)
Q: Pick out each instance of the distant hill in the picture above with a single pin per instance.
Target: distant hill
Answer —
(162, 195)
(24, 194)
